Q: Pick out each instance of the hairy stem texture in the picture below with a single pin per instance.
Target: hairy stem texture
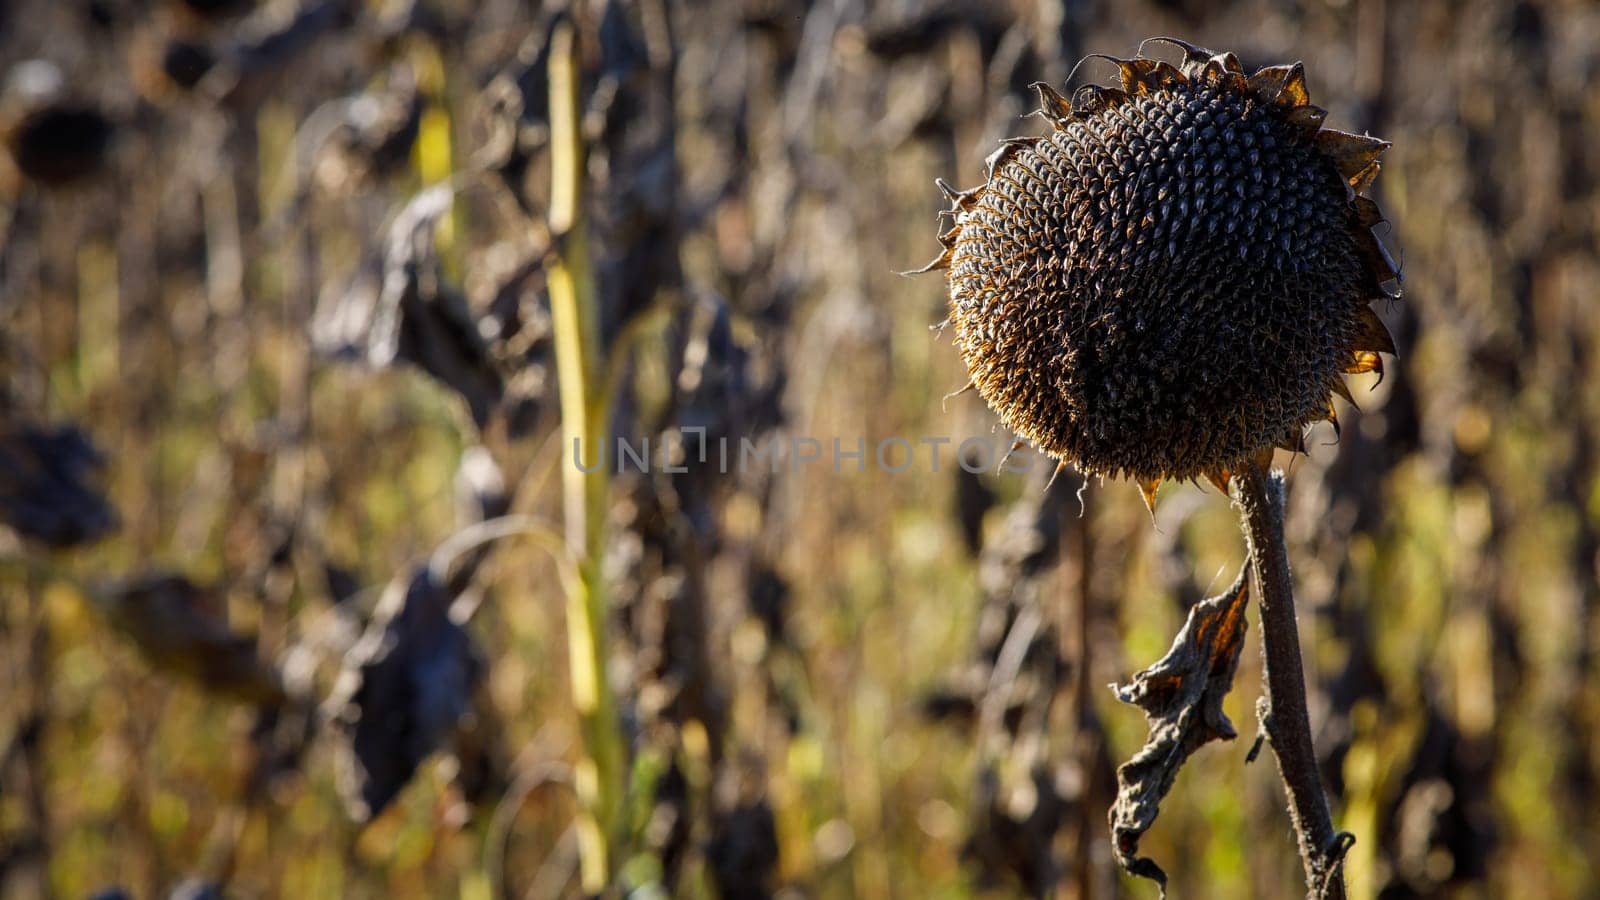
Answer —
(1259, 495)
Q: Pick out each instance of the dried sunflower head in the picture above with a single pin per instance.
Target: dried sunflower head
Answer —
(1174, 279)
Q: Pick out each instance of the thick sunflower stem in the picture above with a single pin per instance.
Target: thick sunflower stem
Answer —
(1259, 495)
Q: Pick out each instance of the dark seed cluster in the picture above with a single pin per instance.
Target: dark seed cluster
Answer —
(1174, 278)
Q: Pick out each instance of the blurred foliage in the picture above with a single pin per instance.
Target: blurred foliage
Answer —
(271, 289)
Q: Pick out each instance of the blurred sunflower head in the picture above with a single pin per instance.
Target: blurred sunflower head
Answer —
(1174, 280)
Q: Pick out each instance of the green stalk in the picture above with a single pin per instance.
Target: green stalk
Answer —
(598, 775)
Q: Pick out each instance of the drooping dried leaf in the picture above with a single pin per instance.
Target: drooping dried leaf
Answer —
(1182, 698)
(44, 486)
(401, 310)
(177, 628)
(405, 687)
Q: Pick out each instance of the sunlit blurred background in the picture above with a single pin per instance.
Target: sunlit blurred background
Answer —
(274, 327)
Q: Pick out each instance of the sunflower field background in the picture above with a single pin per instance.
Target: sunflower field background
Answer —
(276, 341)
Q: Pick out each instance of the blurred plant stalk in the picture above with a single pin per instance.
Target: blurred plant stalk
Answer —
(598, 774)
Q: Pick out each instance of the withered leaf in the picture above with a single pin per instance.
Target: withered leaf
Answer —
(178, 629)
(46, 490)
(400, 309)
(258, 65)
(404, 689)
(1181, 696)
(381, 126)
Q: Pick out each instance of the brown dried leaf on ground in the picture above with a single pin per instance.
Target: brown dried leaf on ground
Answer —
(1181, 696)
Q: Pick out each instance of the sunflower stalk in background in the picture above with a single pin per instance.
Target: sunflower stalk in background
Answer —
(598, 775)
